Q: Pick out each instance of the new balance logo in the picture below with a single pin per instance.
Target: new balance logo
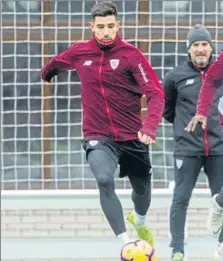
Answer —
(87, 63)
(189, 81)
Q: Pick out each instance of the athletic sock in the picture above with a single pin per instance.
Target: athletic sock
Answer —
(139, 220)
(123, 238)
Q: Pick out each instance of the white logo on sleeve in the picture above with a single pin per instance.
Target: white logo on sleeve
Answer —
(190, 81)
(143, 73)
(87, 63)
(114, 63)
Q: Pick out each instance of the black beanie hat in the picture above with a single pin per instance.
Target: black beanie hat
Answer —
(198, 33)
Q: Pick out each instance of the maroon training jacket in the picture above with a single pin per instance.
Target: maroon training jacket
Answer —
(213, 81)
(112, 83)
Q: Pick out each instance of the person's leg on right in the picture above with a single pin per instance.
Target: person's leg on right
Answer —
(186, 171)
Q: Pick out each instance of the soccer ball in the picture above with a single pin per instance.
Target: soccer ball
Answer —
(139, 250)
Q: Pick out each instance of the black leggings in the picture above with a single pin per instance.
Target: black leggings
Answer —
(103, 167)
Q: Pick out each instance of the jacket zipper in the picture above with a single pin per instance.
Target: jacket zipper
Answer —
(206, 145)
(105, 100)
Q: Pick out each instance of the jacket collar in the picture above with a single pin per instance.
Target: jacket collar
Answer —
(103, 47)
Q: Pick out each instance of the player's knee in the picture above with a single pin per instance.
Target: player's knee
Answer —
(141, 186)
(105, 181)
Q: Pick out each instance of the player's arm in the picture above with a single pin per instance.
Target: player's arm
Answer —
(60, 63)
(213, 81)
(151, 88)
(170, 98)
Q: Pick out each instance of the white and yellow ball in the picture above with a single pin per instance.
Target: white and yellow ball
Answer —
(138, 250)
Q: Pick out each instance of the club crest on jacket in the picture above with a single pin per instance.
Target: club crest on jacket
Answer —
(114, 63)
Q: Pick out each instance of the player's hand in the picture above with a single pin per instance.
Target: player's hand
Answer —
(194, 121)
(145, 139)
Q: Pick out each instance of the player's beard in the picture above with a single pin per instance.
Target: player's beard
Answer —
(201, 63)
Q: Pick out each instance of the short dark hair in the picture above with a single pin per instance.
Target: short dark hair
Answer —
(103, 9)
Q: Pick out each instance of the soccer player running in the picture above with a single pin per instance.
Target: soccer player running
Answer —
(213, 82)
(114, 75)
(191, 152)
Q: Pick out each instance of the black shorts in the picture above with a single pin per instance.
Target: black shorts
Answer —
(133, 156)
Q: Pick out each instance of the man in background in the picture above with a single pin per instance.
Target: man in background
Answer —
(203, 148)
(213, 82)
